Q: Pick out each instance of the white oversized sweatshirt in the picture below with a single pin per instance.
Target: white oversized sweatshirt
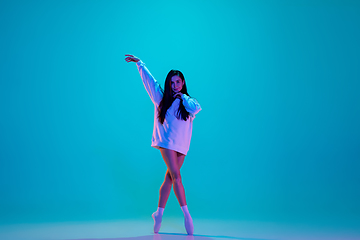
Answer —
(174, 134)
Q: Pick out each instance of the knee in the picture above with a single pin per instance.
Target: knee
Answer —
(175, 178)
(168, 176)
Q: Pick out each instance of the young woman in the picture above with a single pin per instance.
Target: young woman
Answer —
(174, 113)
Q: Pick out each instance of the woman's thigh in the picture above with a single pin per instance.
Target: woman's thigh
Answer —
(180, 159)
(171, 160)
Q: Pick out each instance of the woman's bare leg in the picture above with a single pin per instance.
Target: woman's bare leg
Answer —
(171, 159)
(174, 161)
(165, 188)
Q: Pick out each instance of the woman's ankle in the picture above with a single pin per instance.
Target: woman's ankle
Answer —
(185, 210)
(160, 210)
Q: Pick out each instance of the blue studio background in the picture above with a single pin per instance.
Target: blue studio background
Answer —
(277, 140)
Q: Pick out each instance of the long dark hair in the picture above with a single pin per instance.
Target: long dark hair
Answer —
(168, 98)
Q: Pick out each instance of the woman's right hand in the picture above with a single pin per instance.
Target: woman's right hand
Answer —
(131, 58)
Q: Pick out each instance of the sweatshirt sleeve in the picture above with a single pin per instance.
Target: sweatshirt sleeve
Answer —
(190, 104)
(151, 85)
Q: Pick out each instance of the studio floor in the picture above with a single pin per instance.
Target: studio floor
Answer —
(173, 229)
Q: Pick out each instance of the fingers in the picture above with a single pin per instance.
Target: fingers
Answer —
(128, 59)
(177, 95)
(131, 58)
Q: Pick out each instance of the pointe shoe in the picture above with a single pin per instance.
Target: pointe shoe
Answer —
(157, 221)
(189, 225)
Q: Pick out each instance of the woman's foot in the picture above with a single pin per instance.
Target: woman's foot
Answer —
(188, 220)
(157, 216)
(189, 225)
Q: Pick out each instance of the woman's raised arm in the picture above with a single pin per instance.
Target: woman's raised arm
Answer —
(151, 85)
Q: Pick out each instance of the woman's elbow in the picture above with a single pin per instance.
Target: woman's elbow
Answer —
(195, 110)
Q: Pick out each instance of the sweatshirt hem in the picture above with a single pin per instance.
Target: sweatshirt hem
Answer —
(175, 148)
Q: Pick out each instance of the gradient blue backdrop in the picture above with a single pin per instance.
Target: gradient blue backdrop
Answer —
(278, 138)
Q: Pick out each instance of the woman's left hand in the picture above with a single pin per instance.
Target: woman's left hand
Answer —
(178, 95)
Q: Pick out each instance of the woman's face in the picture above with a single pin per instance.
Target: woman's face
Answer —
(176, 83)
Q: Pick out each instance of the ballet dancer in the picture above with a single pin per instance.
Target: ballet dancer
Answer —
(174, 114)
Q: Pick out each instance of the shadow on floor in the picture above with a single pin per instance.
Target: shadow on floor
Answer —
(173, 236)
